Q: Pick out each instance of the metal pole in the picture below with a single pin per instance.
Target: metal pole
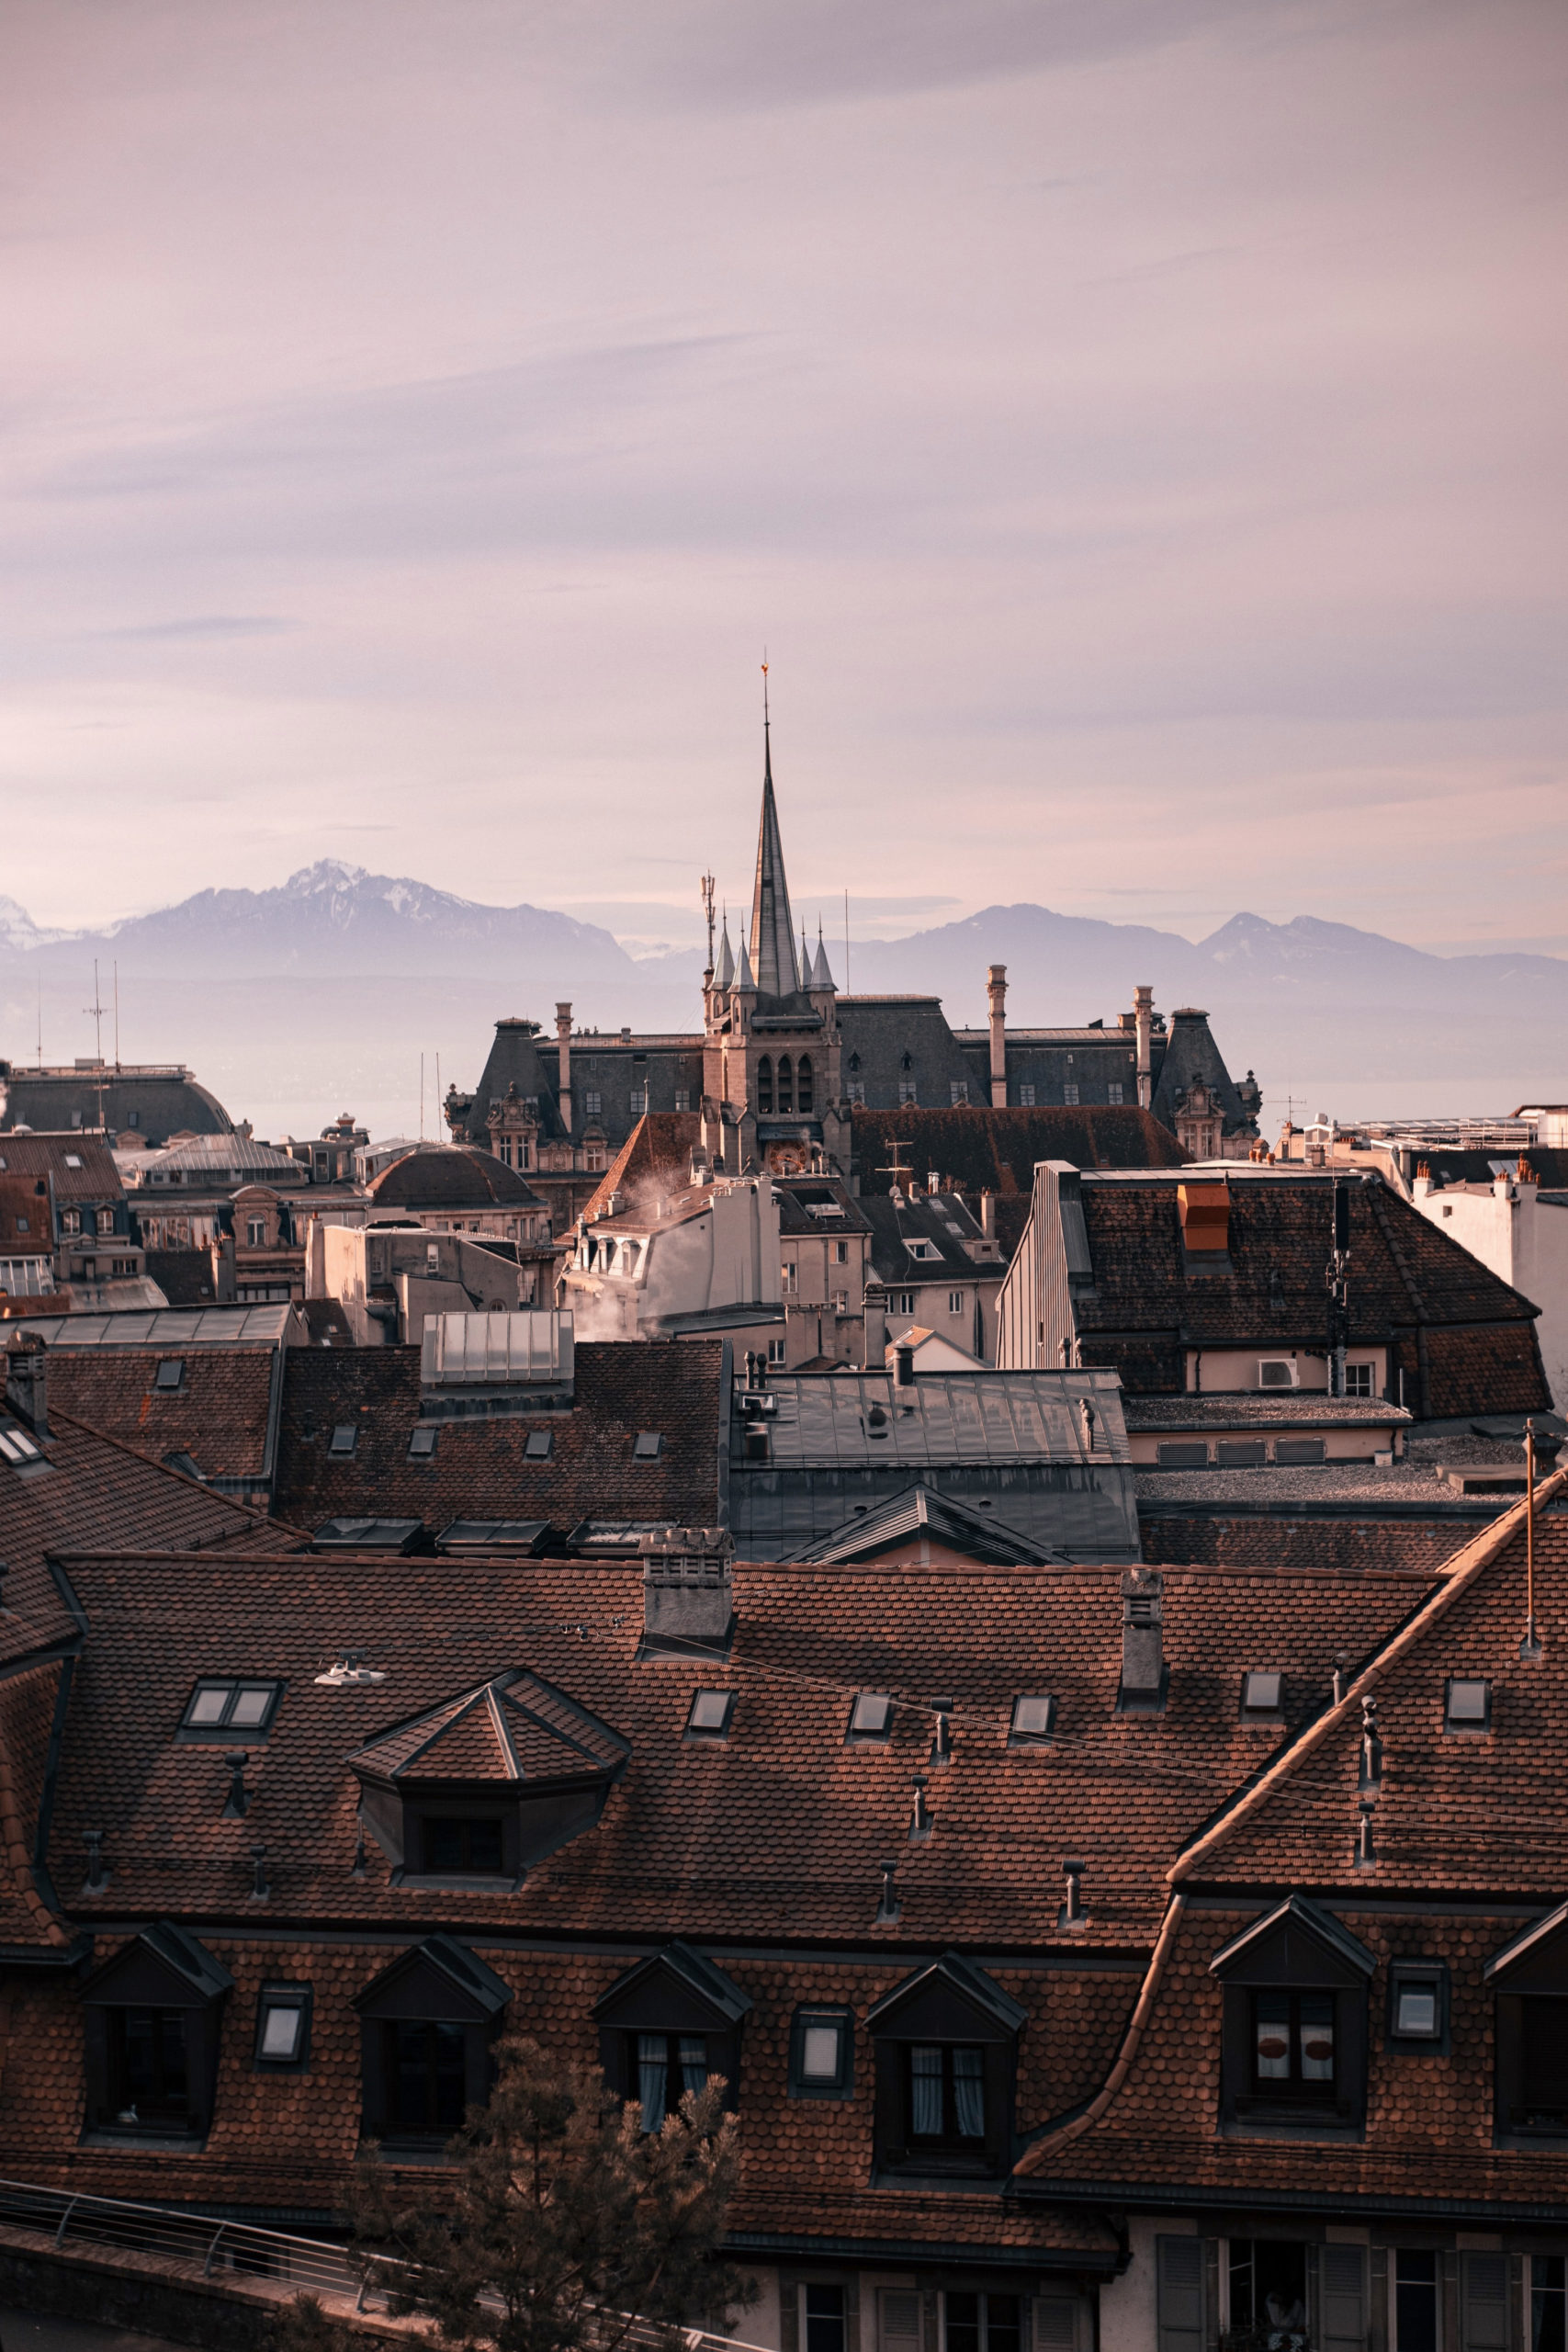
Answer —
(207, 2265)
(1531, 1646)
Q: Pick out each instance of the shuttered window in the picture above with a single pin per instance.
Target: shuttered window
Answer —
(1180, 2279)
(1057, 2323)
(899, 2316)
(1342, 2276)
(1484, 2302)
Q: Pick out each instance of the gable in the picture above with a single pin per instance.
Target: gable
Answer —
(440, 1980)
(1535, 1960)
(164, 1968)
(1297, 1944)
(674, 1991)
(948, 2000)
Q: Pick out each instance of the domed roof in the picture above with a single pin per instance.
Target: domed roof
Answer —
(451, 1177)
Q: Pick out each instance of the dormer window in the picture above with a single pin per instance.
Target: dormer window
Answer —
(946, 2045)
(669, 2026)
(1293, 2041)
(1467, 1704)
(1294, 2053)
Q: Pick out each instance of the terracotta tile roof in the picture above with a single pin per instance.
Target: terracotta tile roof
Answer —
(481, 1469)
(218, 1415)
(79, 1168)
(655, 1158)
(1268, 1540)
(27, 1916)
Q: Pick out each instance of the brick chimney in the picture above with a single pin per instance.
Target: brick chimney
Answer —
(1142, 1026)
(997, 996)
(563, 1076)
(688, 1589)
(1143, 1650)
(25, 1392)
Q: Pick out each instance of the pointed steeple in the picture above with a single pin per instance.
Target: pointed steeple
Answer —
(725, 971)
(772, 931)
(821, 976)
(743, 976)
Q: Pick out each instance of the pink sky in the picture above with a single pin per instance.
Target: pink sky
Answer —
(1135, 427)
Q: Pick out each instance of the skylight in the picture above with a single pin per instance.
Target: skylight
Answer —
(1260, 1693)
(229, 1710)
(1034, 1718)
(74, 1159)
(344, 1438)
(18, 1446)
(646, 1449)
(540, 1443)
(1468, 1704)
(421, 1441)
(171, 1372)
(283, 2025)
(871, 1716)
(711, 1711)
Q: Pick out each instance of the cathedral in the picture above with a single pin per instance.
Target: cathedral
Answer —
(783, 1061)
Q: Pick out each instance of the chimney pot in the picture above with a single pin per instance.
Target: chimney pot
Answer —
(904, 1367)
(237, 1804)
(97, 1878)
(920, 1812)
(26, 1383)
(941, 1740)
(1072, 1911)
(888, 1907)
(259, 1891)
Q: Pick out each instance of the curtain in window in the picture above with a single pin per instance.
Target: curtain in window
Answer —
(1272, 2013)
(925, 2083)
(652, 2070)
(1317, 2037)
(693, 2063)
(969, 2094)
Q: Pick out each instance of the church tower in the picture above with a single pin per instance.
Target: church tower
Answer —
(772, 1096)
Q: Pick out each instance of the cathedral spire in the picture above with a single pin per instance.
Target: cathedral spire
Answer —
(773, 930)
(725, 971)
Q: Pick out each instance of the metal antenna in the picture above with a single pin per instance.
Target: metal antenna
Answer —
(706, 886)
(116, 1014)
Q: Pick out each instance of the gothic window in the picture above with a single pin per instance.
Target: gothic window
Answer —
(766, 1084)
(906, 1061)
(854, 1061)
(802, 1084)
(786, 1084)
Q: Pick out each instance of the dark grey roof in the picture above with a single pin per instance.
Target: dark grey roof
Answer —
(775, 965)
(157, 1101)
(920, 1510)
(452, 1178)
(864, 1417)
(942, 1225)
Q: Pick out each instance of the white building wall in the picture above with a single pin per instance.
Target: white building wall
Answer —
(1129, 2315)
(1524, 1239)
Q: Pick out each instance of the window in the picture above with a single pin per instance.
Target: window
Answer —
(639, 1101)
(854, 1091)
(1292, 2038)
(1549, 2304)
(71, 1221)
(1114, 1091)
(74, 1159)
(982, 2322)
(283, 2025)
(593, 1102)
(821, 2050)
(775, 1351)
(1416, 2302)
(824, 2316)
(1467, 1705)
(1070, 1092)
(871, 1717)
(344, 1438)
(539, 1445)
(906, 1303)
(426, 2063)
(786, 1084)
(23, 1226)
(955, 1302)
(683, 1098)
(1358, 1379)
(230, 1711)
(668, 2065)
(105, 1220)
(1026, 1097)
(1261, 1694)
(958, 1089)
(170, 1373)
(1268, 2288)
(803, 1094)
(710, 1713)
(946, 2094)
(840, 1302)
(840, 1253)
(922, 1248)
(908, 1090)
(790, 1276)
(149, 2070)
(766, 1084)
(1540, 2076)
(463, 1846)
(1033, 1720)
(647, 1448)
(1417, 2003)
(17, 1446)
(255, 1232)
(421, 1442)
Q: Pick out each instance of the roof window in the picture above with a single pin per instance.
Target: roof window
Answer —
(540, 1444)
(283, 2025)
(871, 1716)
(1034, 1719)
(18, 1446)
(1417, 2001)
(1467, 1704)
(170, 1374)
(647, 1446)
(1261, 1694)
(421, 1442)
(74, 1159)
(711, 1711)
(229, 1710)
(344, 1438)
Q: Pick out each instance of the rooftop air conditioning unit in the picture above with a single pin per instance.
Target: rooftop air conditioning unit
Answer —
(1279, 1371)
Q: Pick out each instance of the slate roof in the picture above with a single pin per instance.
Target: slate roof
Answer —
(221, 1415)
(921, 1510)
(991, 1150)
(1464, 1338)
(943, 1224)
(479, 1468)
(452, 1178)
(185, 1276)
(157, 1101)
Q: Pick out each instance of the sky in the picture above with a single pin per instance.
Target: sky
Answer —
(1134, 429)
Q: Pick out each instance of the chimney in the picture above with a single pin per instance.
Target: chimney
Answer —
(1143, 1655)
(25, 1390)
(563, 1075)
(688, 1589)
(989, 1215)
(1143, 1025)
(997, 997)
(904, 1367)
(223, 1254)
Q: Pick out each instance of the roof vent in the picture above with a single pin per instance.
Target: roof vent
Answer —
(904, 1361)
(350, 1670)
(688, 1591)
(1143, 1655)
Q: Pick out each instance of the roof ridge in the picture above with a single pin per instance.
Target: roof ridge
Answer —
(1454, 1577)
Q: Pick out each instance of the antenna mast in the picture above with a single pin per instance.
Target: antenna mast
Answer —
(707, 884)
(97, 1011)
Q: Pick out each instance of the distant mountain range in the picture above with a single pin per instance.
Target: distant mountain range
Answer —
(332, 984)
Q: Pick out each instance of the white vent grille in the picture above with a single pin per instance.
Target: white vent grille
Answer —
(1278, 1372)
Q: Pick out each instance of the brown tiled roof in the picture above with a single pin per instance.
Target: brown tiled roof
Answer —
(218, 1415)
(1268, 1540)
(26, 1224)
(777, 1831)
(185, 1276)
(95, 1177)
(26, 1715)
(1409, 1282)
(996, 1151)
(480, 1469)
(655, 1158)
